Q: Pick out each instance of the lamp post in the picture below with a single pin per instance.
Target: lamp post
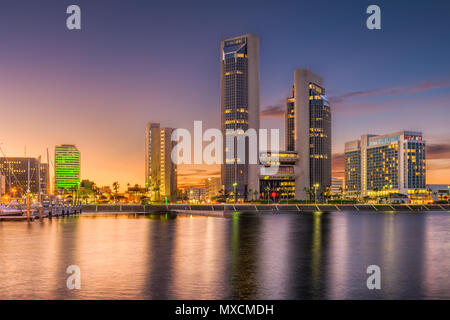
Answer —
(234, 186)
(316, 186)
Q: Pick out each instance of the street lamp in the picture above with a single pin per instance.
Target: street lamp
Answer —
(316, 186)
(234, 186)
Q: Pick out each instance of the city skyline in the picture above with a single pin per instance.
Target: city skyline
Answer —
(98, 95)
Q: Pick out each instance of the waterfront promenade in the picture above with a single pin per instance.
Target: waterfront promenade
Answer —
(218, 209)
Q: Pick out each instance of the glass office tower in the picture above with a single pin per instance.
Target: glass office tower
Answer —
(308, 132)
(67, 168)
(239, 110)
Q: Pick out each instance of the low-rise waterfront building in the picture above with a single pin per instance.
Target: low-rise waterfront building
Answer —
(336, 187)
(439, 192)
(280, 185)
(195, 194)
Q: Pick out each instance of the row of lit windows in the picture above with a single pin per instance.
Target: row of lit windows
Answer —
(237, 110)
(236, 121)
(318, 135)
(318, 156)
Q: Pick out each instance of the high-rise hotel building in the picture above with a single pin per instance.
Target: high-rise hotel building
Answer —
(308, 132)
(160, 171)
(391, 163)
(67, 168)
(239, 73)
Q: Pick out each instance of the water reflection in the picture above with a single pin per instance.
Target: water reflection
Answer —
(160, 260)
(246, 256)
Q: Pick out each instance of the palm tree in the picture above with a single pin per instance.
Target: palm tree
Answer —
(116, 187)
(326, 194)
(156, 189)
(341, 193)
(223, 195)
(84, 194)
(358, 195)
(96, 192)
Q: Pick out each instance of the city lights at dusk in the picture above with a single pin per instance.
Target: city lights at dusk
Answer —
(219, 157)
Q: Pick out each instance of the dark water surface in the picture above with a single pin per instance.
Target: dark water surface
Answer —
(247, 256)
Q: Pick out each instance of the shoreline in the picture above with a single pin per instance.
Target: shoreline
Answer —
(220, 209)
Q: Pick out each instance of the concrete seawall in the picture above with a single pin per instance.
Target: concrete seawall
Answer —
(223, 209)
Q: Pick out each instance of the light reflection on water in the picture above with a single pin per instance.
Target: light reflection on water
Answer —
(246, 256)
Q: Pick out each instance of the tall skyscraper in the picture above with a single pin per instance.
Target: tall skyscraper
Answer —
(239, 73)
(308, 131)
(160, 171)
(67, 168)
(382, 165)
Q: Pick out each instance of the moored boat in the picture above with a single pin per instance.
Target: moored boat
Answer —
(12, 209)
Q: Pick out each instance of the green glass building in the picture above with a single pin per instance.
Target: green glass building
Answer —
(67, 168)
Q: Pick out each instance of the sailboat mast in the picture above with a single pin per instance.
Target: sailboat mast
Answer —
(9, 177)
(28, 175)
(39, 178)
(48, 180)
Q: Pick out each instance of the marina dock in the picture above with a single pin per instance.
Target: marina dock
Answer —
(47, 212)
(15, 218)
